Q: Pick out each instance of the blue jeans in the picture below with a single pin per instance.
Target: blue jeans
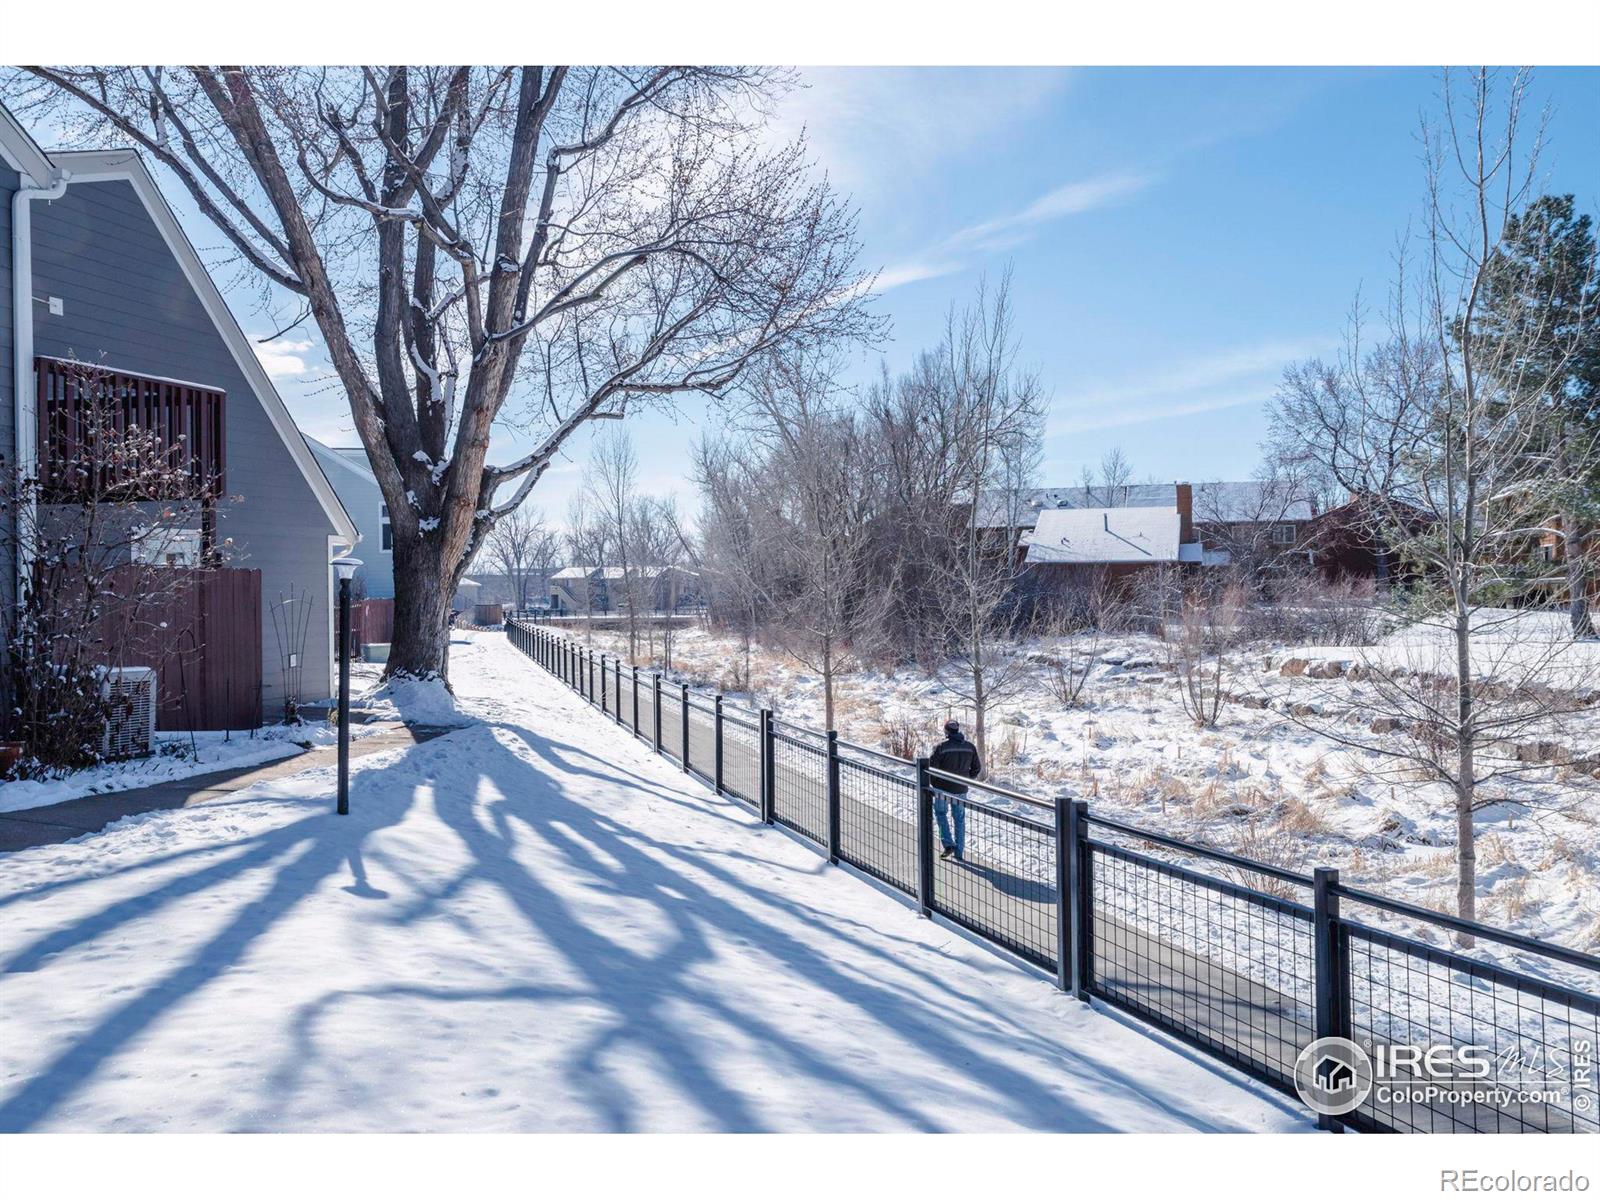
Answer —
(944, 802)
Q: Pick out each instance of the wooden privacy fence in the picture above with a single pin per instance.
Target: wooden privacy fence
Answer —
(372, 621)
(202, 634)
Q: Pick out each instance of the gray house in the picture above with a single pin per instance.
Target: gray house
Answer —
(97, 270)
(357, 487)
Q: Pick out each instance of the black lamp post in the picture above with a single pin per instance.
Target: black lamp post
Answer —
(346, 568)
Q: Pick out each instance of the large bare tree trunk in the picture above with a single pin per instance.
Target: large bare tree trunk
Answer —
(423, 590)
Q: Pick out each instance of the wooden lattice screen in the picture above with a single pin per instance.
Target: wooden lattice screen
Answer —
(187, 419)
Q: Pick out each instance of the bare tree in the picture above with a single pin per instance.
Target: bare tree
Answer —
(544, 554)
(579, 239)
(588, 546)
(1110, 490)
(999, 418)
(513, 549)
(1463, 485)
(611, 486)
(806, 475)
(1340, 429)
(1197, 649)
(1082, 614)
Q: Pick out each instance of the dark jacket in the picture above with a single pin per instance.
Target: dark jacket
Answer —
(955, 756)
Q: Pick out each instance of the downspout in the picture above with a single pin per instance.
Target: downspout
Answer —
(26, 397)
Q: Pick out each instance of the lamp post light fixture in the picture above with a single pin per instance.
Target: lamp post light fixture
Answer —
(346, 570)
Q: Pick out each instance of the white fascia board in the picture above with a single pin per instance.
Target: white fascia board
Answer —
(102, 166)
(23, 154)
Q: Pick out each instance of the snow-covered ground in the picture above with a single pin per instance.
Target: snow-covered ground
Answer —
(532, 924)
(1260, 783)
(175, 758)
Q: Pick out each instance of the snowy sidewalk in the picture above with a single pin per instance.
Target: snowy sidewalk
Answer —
(532, 924)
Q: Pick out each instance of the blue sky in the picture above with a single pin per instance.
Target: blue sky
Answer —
(1176, 238)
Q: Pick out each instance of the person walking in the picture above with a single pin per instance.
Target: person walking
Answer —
(955, 756)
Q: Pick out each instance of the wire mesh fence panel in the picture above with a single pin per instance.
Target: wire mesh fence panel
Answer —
(672, 724)
(741, 758)
(1223, 966)
(702, 718)
(878, 821)
(647, 709)
(1001, 883)
(800, 781)
(1539, 1038)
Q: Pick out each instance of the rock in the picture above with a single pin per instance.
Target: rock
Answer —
(1386, 724)
(1541, 752)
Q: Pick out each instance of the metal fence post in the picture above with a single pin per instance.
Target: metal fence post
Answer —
(768, 771)
(683, 714)
(924, 839)
(635, 701)
(1066, 893)
(605, 703)
(1080, 932)
(591, 676)
(1329, 970)
(833, 795)
(655, 711)
(716, 744)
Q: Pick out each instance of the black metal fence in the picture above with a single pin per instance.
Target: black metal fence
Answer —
(1243, 960)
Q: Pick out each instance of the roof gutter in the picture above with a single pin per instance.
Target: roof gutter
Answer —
(26, 406)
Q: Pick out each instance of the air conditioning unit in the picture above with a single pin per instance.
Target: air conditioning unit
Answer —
(130, 695)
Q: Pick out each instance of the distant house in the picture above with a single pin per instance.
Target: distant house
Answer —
(1010, 509)
(581, 589)
(357, 487)
(106, 302)
(1116, 542)
(1255, 522)
(1353, 541)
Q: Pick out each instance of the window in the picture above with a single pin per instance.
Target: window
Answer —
(161, 546)
(388, 529)
(1283, 535)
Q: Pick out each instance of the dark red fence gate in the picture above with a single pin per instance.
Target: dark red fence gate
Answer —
(372, 621)
(203, 637)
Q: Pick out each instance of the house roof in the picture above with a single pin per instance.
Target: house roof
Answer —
(1107, 535)
(1249, 500)
(98, 166)
(339, 460)
(25, 156)
(609, 573)
(999, 508)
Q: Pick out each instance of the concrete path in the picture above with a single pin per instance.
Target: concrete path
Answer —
(53, 823)
(1239, 1017)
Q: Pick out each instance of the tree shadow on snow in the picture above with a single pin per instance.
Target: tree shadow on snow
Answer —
(652, 1004)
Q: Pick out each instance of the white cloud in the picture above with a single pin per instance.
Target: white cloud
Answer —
(953, 253)
(876, 130)
(1228, 379)
(282, 359)
(1068, 200)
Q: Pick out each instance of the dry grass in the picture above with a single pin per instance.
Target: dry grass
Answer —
(1436, 865)
(1297, 818)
